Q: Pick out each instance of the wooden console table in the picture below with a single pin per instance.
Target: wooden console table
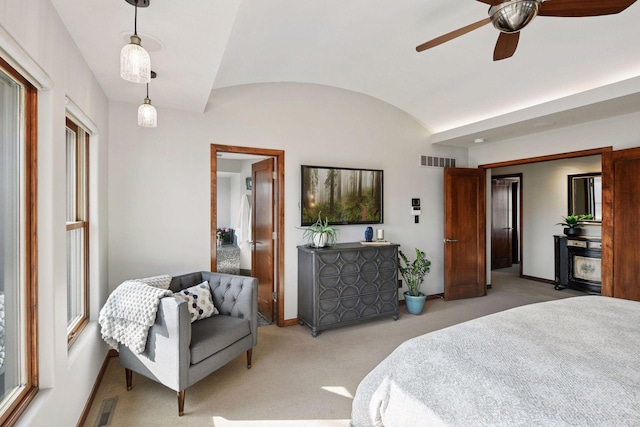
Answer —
(346, 284)
(578, 261)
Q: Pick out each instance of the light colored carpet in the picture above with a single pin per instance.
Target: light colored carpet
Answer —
(298, 380)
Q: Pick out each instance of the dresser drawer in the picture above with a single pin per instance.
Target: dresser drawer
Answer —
(577, 243)
(356, 262)
(338, 311)
(595, 245)
(351, 285)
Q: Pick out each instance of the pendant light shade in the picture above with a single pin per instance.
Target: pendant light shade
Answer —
(147, 114)
(135, 62)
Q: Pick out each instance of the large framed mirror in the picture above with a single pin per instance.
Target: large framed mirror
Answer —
(585, 195)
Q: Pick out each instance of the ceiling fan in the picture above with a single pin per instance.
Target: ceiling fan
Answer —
(511, 16)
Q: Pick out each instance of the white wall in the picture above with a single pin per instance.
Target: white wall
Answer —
(159, 178)
(66, 376)
(618, 132)
(544, 203)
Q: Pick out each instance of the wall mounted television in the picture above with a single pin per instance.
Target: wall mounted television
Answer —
(342, 195)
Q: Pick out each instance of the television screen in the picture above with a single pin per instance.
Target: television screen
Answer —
(341, 195)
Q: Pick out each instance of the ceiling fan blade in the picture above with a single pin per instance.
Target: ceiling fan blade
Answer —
(491, 2)
(506, 45)
(578, 8)
(452, 35)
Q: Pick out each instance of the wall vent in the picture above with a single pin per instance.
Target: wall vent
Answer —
(437, 162)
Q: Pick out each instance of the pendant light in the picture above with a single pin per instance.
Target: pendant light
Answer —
(147, 114)
(135, 63)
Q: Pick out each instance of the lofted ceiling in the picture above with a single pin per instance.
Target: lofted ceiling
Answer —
(566, 70)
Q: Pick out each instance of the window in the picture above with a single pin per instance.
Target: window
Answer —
(77, 149)
(18, 244)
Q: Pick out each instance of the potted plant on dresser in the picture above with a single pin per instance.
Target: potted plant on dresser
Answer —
(320, 234)
(414, 273)
(572, 224)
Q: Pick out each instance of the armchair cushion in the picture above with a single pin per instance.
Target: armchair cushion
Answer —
(209, 336)
(199, 301)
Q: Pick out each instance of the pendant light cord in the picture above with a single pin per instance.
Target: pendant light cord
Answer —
(135, 20)
(147, 90)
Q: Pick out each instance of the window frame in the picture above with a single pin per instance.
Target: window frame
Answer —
(80, 211)
(22, 399)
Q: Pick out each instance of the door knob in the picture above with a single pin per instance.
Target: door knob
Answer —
(449, 240)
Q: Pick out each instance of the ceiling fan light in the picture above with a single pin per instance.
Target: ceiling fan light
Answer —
(147, 115)
(512, 16)
(135, 62)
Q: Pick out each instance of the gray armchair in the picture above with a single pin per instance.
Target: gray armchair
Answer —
(180, 353)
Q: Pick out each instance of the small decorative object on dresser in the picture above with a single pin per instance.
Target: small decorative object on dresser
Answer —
(368, 234)
(320, 233)
(572, 224)
(346, 284)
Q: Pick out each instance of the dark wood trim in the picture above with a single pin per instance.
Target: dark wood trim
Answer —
(608, 254)
(429, 297)
(290, 322)
(279, 156)
(96, 386)
(569, 155)
(10, 416)
(537, 279)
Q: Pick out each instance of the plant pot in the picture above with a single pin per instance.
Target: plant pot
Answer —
(415, 305)
(572, 231)
(320, 240)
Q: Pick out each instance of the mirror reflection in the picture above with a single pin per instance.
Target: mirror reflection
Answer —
(585, 195)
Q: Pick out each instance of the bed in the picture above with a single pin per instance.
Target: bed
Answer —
(574, 361)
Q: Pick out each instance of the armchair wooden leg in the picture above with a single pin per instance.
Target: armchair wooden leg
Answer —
(249, 358)
(181, 394)
(128, 374)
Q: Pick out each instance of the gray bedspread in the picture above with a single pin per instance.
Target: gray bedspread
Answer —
(570, 362)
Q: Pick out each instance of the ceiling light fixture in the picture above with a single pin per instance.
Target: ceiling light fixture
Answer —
(512, 16)
(135, 63)
(147, 114)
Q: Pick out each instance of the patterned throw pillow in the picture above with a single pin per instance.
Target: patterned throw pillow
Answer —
(161, 282)
(199, 301)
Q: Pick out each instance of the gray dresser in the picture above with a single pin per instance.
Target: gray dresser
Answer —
(346, 284)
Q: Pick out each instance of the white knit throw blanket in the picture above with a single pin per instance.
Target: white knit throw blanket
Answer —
(128, 314)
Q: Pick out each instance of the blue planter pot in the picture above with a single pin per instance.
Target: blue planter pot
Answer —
(415, 305)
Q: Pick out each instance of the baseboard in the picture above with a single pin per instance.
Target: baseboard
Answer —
(538, 279)
(87, 407)
(290, 322)
(429, 297)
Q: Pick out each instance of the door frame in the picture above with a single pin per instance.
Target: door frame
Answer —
(279, 201)
(607, 203)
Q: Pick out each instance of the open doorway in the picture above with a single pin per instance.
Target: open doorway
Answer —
(235, 204)
(543, 201)
(506, 220)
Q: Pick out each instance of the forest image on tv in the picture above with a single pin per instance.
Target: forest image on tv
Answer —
(343, 196)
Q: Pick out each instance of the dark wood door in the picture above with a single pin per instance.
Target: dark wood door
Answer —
(464, 232)
(501, 230)
(262, 232)
(626, 224)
